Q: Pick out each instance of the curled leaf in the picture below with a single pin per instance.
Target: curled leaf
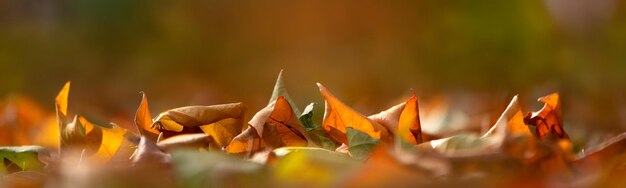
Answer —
(403, 120)
(198, 140)
(246, 142)
(149, 153)
(548, 119)
(510, 123)
(221, 122)
(143, 119)
(338, 117)
(276, 125)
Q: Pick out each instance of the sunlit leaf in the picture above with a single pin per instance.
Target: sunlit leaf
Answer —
(221, 122)
(276, 125)
(548, 119)
(338, 117)
(143, 119)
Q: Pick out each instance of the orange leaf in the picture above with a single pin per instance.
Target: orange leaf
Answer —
(143, 119)
(276, 125)
(409, 127)
(246, 142)
(338, 117)
(548, 120)
(511, 122)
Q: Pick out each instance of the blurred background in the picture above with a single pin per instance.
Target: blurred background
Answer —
(471, 56)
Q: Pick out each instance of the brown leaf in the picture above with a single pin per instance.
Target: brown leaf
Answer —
(338, 117)
(198, 140)
(221, 122)
(548, 120)
(276, 125)
(149, 153)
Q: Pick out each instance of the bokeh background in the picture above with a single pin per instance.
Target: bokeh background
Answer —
(475, 55)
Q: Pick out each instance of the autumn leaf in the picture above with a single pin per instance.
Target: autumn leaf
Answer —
(403, 120)
(22, 158)
(548, 119)
(221, 122)
(280, 90)
(143, 119)
(197, 140)
(316, 133)
(276, 125)
(359, 144)
(148, 153)
(338, 117)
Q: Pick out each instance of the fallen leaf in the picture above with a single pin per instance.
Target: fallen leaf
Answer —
(316, 133)
(221, 122)
(403, 120)
(198, 140)
(148, 153)
(22, 158)
(338, 117)
(548, 119)
(143, 119)
(359, 144)
(276, 125)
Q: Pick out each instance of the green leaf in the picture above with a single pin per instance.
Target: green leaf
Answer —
(216, 169)
(359, 143)
(23, 157)
(307, 118)
(314, 130)
(461, 143)
(279, 90)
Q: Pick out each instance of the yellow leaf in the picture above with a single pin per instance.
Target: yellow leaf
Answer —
(338, 117)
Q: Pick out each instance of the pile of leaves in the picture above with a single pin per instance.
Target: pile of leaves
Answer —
(200, 146)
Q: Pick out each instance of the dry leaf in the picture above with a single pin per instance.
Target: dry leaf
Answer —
(548, 120)
(338, 117)
(221, 122)
(143, 119)
(276, 125)
(198, 140)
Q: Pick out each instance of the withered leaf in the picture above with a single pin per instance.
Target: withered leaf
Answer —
(510, 123)
(276, 125)
(143, 119)
(548, 119)
(149, 153)
(197, 140)
(221, 122)
(338, 117)
(402, 120)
